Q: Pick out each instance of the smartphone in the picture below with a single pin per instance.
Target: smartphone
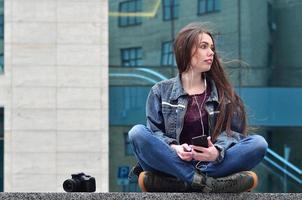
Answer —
(200, 141)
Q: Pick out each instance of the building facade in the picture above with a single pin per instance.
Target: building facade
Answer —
(253, 39)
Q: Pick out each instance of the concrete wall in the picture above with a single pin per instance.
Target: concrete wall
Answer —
(55, 93)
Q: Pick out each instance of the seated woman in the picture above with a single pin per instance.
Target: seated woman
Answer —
(199, 101)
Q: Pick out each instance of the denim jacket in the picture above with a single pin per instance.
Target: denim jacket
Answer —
(167, 105)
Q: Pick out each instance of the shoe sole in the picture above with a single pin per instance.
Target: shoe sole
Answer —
(255, 178)
(141, 183)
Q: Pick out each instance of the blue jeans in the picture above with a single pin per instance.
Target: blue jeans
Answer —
(153, 154)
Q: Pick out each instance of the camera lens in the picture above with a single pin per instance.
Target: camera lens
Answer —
(69, 186)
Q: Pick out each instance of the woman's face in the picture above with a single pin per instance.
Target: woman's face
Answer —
(203, 54)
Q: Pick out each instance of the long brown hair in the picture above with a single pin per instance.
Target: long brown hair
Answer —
(230, 103)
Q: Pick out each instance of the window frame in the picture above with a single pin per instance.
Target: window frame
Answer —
(137, 59)
(165, 6)
(216, 7)
(167, 54)
(129, 20)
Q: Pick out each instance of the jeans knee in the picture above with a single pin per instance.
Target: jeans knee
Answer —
(136, 132)
(260, 144)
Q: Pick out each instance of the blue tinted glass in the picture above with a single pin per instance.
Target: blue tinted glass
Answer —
(138, 5)
(202, 6)
(210, 5)
(130, 6)
(166, 50)
(166, 47)
(272, 63)
(131, 20)
(121, 111)
(132, 54)
(273, 107)
(170, 59)
(170, 46)
(217, 5)
(132, 63)
(167, 13)
(123, 7)
(167, 9)
(175, 11)
(125, 54)
(164, 59)
(123, 20)
(139, 62)
(166, 2)
(131, 57)
(139, 52)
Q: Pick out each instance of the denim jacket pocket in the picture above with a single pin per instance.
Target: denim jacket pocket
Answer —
(170, 115)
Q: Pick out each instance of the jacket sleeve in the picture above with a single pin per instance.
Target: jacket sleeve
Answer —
(237, 123)
(225, 141)
(155, 120)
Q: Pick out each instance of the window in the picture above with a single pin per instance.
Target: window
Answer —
(128, 148)
(170, 9)
(132, 6)
(208, 6)
(167, 55)
(131, 57)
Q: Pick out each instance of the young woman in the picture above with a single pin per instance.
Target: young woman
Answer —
(199, 101)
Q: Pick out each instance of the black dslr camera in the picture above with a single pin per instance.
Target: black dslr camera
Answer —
(79, 183)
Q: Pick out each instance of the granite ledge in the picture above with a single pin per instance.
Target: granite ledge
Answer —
(146, 196)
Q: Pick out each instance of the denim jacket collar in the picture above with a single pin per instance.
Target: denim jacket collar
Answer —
(214, 94)
(178, 90)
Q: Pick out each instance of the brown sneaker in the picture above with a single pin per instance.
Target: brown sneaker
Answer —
(151, 182)
(240, 182)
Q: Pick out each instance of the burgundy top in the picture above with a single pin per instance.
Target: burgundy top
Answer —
(192, 126)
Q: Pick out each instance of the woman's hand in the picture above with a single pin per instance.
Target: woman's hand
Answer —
(205, 154)
(183, 151)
